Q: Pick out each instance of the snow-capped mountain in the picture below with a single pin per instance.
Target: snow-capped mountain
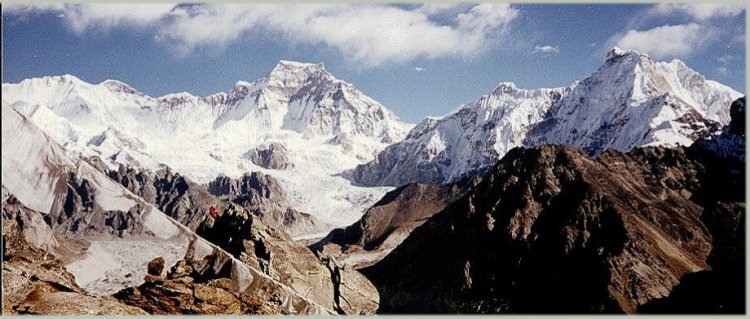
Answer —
(109, 236)
(629, 101)
(473, 137)
(325, 125)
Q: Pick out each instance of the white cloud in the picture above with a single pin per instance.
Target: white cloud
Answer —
(366, 34)
(663, 41)
(434, 9)
(85, 17)
(545, 49)
(419, 69)
(682, 29)
(699, 11)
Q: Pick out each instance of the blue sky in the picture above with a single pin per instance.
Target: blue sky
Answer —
(418, 60)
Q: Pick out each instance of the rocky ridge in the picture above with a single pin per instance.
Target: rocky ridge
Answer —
(552, 230)
(387, 223)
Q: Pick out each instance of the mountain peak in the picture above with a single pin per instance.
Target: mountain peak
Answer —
(505, 87)
(292, 74)
(617, 53)
(65, 78)
(117, 86)
(300, 65)
(290, 68)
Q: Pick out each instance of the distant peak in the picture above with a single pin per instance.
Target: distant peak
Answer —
(678, 63)
(290, 73)
(291, 67)
(180, 96)
(70, 77)
(241, 83)
(63, 78)
(117, 86)
(505, 87)
(616, 53)
(300, 65)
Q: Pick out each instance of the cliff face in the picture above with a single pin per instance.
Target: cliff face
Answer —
(552, 230)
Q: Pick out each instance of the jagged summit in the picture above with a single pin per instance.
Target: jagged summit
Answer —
(287, 71)
(505, 87)
(629, 101)
(117, 86)
(300, 65)
(616, 52)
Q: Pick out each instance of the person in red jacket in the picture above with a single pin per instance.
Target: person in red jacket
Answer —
(214, 213)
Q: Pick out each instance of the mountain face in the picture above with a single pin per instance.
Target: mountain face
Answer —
(552, 230)
(106, 236)
(299, 120)
(629, 101)
(387, 223)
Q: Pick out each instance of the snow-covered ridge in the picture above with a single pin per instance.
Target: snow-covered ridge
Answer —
(629, 101)
(326, 124)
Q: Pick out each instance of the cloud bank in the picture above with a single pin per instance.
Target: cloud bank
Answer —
(366, 34)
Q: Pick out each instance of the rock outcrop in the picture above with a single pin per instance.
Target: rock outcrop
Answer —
(180, 292)
(271, 156)
(179, 197)
(264, 247)
(189, 202)
(263, 196)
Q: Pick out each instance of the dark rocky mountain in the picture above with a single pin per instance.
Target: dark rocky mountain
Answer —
(387, 223)
(552, 230)
(264, 196)
(189, 202)
(177, 196)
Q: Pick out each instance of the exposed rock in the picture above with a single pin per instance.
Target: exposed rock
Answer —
(35, 282)
(189, 203)
(180, 294)
(387, 223)
(722, 288)
(263, 196)
(271, 156)
(551, 230)
(177, 196)
(156, 266)
(207, 281)
(264, 247)
(737, 112)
